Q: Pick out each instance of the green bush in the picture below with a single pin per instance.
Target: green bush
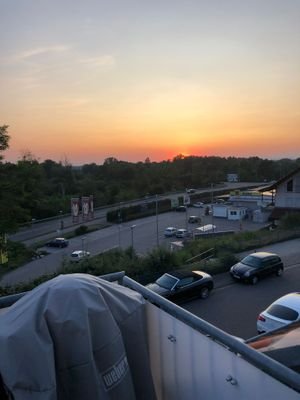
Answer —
(81, 230)
(290, 221)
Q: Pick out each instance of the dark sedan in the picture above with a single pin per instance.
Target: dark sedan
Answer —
(183, 285)
(58, 242)
(256, 266)
(180, 208)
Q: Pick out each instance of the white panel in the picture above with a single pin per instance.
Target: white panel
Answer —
(188, 365)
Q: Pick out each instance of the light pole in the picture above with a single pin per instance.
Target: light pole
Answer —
(61, 221)
(156, 213)
(132, 228)
(212, 207)
(82, 243)
(119, 235)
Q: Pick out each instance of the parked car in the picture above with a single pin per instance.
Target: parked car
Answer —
(256, 266)
(190, 190)
(170, 231)
(180, 208)
(181, 233)
(281, 312)
(79, 255)
(58, 242)
(198, 204)
(182, 285)
(193, 219)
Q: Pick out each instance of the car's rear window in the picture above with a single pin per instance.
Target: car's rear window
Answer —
(282, 312)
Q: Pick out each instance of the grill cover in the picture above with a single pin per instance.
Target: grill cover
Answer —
(76, 337)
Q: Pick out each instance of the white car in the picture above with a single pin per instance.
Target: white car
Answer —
(79, 255)
(198, 204)
(280, 313)
(170, 231)
(181, 233)
(190, 190)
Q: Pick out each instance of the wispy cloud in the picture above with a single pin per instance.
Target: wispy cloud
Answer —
(39, 51)
(101, 61)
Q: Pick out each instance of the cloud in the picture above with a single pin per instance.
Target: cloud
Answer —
(101, 61)
(41, 50)
(26, 55)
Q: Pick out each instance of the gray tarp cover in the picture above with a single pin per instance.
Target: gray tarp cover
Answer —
(76, 337)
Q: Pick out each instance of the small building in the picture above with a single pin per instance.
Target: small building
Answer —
(261, 215)
(236, 213)
(251, 199)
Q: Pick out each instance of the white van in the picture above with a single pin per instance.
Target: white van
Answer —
(79, 255)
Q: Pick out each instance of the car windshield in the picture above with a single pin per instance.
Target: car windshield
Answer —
(252, 261)
(166, 281)
(282, 312)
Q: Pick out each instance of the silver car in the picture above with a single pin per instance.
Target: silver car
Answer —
(280, 313)
(170, 231)
(79, 255)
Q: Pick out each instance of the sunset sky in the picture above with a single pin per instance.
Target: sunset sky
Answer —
(84, 80)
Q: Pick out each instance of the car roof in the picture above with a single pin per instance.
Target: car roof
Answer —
(291, 300)
(170, 227)
(181, 273)
(263, 254)
(77, 252)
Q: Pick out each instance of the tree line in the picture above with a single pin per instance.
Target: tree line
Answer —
(31, 189)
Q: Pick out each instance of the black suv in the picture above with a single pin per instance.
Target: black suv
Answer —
(256, 266)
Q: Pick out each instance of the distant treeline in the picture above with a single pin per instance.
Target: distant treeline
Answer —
(32, 190)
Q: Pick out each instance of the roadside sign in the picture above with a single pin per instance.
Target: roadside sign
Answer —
(186, 200)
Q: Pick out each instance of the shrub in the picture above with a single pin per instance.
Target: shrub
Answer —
(290, 221)
(81, 230)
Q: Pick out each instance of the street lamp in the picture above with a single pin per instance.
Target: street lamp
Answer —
(132, 228)
(82, 242)
(61, 221)
(119, 235)
(212, 207)
(156, 213)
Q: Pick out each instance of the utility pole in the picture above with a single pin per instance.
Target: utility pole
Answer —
(132, 228)
(212, 207)
(156, 213)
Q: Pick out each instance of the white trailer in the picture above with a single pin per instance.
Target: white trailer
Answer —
(220, 210)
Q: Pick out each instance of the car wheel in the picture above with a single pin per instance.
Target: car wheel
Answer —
(204, 292)
(279, 272)
(254, 280)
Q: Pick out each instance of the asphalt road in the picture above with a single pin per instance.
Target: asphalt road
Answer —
(143, 234)
(234, 307)
(48, 228)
